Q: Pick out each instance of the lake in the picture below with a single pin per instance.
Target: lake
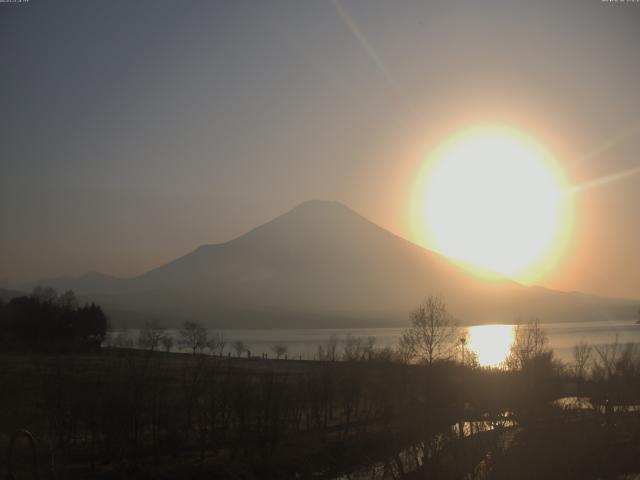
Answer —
(490, 342)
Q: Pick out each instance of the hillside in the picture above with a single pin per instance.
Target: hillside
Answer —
(322, 264)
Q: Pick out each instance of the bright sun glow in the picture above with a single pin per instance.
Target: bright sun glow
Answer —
(494, 199)
(491, 343)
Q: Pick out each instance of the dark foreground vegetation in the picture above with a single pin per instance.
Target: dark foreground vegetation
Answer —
(44, 321)
(360, 412)
(137, 414)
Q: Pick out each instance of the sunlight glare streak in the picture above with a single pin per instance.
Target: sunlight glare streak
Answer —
(614, 177)
(623, 135)
(372, 54)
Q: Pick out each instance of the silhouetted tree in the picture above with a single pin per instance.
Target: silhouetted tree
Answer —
(239, 347)
(193, 337)
(167, 342)
(431, 334)
(44, 321)
(369, 348)
(279, 350)
(151, 335)
(329, 352)
(581, 357)
(216, 343)
(353, 348)
(530, 342)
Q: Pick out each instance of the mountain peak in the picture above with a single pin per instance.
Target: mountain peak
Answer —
(310, 215)
(316, 205)
(327, 218)
(319, 202)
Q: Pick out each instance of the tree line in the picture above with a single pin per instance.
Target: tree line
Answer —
(47, 321)
(432, 336)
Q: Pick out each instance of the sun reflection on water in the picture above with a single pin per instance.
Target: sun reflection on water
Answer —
(490, 343)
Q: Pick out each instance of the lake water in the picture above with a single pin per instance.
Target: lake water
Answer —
(491, 343)
(494, 341)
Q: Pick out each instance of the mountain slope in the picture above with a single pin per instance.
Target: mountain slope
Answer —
(322, 264)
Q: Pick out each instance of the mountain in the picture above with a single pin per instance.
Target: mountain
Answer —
(322, 264)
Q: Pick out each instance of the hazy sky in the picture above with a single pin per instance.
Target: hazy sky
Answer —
(133, 131)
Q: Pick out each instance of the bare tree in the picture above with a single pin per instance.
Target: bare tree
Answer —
(581, 356)
(329, 352)
(239, 347)
(150, 335)
(359, 348)
(279, 350)
(404, 350)
(216, 343)
(370, 348)
(616, 360)
(167, 342)
(431, 334)
(353, 348)
(193, 337)
(604, 364)
(628, 364)
(530, 342)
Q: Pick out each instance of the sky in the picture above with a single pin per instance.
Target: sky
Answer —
(132, 132)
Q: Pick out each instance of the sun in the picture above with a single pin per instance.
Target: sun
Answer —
(490, 343)
(494, 198)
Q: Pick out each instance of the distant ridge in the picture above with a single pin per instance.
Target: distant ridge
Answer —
(6, 294)
(92, 282)
(323, 265)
